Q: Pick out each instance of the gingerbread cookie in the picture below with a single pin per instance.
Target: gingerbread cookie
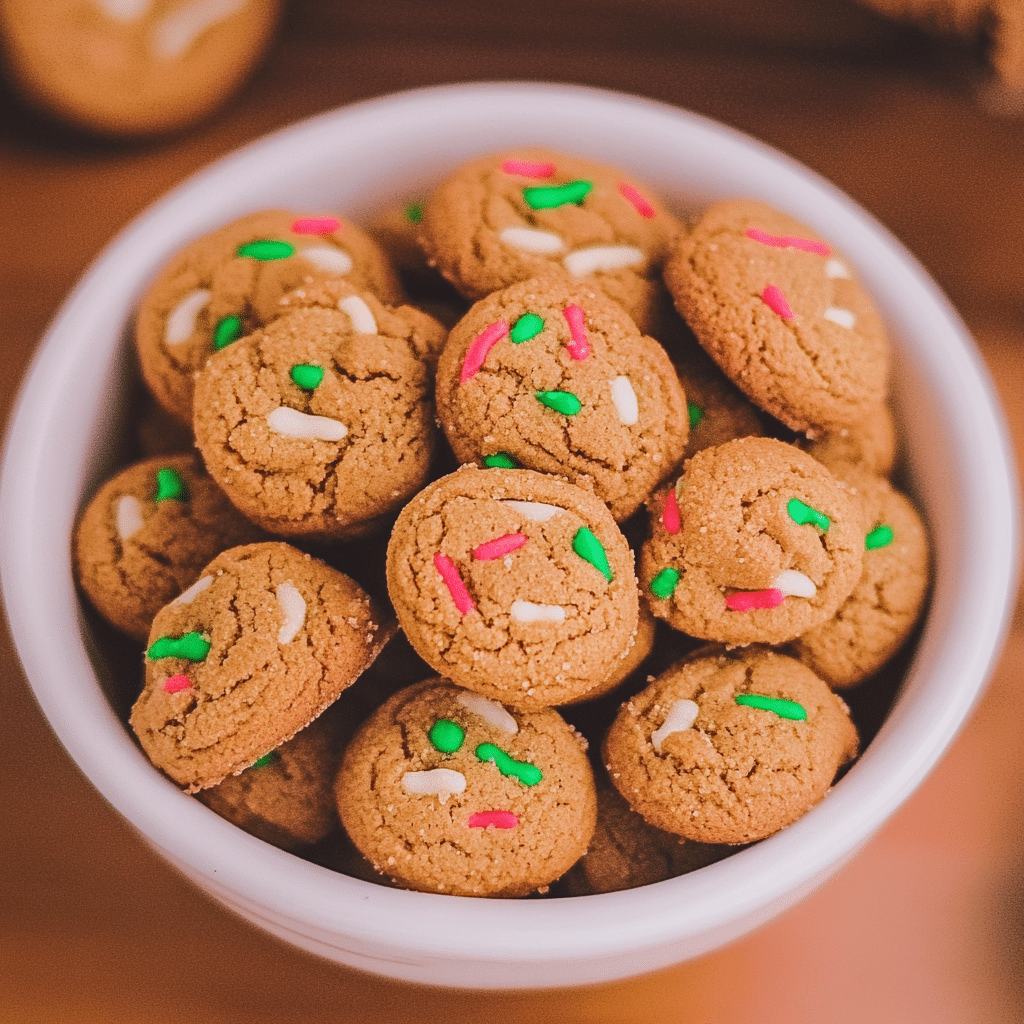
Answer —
(729, 748)
(869, 444)
(780, 311)
(552, 376)
(447, 791)
(262, 643)
(515, 584)
(756, 542)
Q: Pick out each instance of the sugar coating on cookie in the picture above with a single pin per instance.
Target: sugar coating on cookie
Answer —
(555, 377)
(758, 743)
(223, 687)
(444, 793)
(514, 584)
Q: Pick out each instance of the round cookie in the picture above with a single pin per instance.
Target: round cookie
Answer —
(552, 376)
(729, 747)
(870, 444)
(448, 791)
(877, 617)
(781, 313)
(314, 429)
(515, 215)
(514, 584)
(756, 542)
(260, 645)
(228, 283)
(146, 535)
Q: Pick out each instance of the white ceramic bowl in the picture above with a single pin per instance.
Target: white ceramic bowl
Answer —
(356, 160)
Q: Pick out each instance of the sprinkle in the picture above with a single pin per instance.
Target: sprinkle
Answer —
(188, 596)
(500, 460)
(528, 326)
(527, 611)
(789, 242)
(228, 329)
(190, 646)
(529, 168)
(838, 315)
(177, 30)
(128, 516)
(579, 347)
(538, 511)
(414, 213)
(293, 607)
(315, 225)
(794, 584)
(548, 197)
(752, 600)
(670, 513)
(803, 514)
(292, 423)
(879, 537)
(308, 376)
(266, 760)
(489, 710)
(174, 684)
(181, 321)
(680, 717)
(532, 240)
(453, 581)
(777, 705)
(439, 782)
(581, 262)
(327, 257)
(591, 550)
(836, 268)
(446, 735)
(773, 298)
(499, 819)
(499, 547)
(266, 249)
(624, 400)
(363, 320)
(564, 402)
(633, 196)
(480, 346)
(696, 414)
(528, 774)
(664, 584)
(170, 486)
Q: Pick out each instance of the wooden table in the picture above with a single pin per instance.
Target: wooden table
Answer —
(926, 926)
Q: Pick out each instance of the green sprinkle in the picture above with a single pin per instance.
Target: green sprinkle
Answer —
(307, 375)
(664, 584)
(590, 549)
(446, 735)
(879, 537)
(696, 414)
(528, 326)
(414, 213)
(170, 486)
(266, 249)
(191, 647)
(776, 705)
(564, 402)
(546, 197)
(527, 774)
(500, 460)
(265, 761)
(802, 514)
(227, 330)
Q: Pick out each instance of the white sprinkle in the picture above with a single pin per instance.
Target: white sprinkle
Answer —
(795, 584)
(128, 514)
(327, 257)
(538, 511)
(601, 257)
(292, 423)
(840, 316)
(294, 608)
(527, 611)
(182, 319)
(624, 400)
(489, 710)
(532, 240)
(179, 29)
(836, 268)
(363, 320)
(123, 10)
(188, 596)
(439, 782)
(680, 717)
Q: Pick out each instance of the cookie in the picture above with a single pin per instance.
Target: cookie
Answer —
(447, 791)
(313, 428)
(516, 215)
(869, 444)
(260, 645)
(729, 748)
(146, 535)
(756, 542)
(228, 283)
(514, 584)
(552, 376)
(781, 313)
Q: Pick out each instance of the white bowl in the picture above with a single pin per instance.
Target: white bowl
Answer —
(358, 159)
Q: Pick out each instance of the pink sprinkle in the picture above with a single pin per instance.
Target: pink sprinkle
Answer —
(528, 168)
(579, 347)
(749, 600)
(670, 514)
(315, 225)
(641, 205)
(482, 344)
(175, 683)
(453, 581)
(773, 298)
(789, 242)
(499, 547)
(499, 819)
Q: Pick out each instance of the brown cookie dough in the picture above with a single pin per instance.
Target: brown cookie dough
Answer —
(515, 215)
(447, 791)
(756, 542)
(729, 748)
(515, 584)
(146, 535)
(228, 283)
(870, 444)
(781, 313)
(314, 429)
(261, 644)
(555, 377)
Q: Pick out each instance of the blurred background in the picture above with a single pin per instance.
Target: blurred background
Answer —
(915, 108)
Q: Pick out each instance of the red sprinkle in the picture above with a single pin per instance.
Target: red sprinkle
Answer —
(670, 514)
(499, 819)
(528, 168)
(175, 683)
(579, 347)
(499, 547)
(773, 298)
(750, 600)
(789, 242)
(315, 225)
(641, 205)
(453, 581)
(482, 344)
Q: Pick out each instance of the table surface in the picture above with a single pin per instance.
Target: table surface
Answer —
(927, 923)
